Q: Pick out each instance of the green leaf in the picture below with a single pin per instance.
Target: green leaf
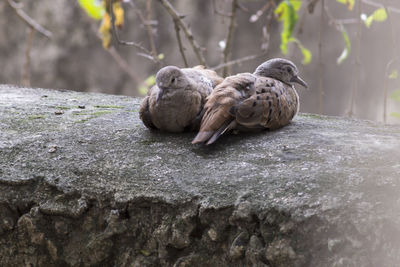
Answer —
(287, 13)
(348, 3)
(378, 15)
(143, 90)
(394, 75)
(307, 56)
(93, 8)
(395, 95)
(147, 84)
(150, 81)
(160, 56)
(347, 47)
(395, 114)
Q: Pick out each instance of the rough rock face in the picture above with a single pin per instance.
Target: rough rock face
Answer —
(84, 183)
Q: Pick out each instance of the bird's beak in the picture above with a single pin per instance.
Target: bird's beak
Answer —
(297, 79)
(159, 95)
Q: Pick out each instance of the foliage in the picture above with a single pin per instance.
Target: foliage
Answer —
(347, 47)
(93, 8)
(394, 75)
(307, 56)
(378, 15)
(287, 13)
(147, 84)
(395, 95)
(348, 3)
(102, 11)
(395, 114)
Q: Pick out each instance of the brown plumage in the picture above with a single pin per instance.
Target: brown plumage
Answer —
(175, 103)
(252, 102)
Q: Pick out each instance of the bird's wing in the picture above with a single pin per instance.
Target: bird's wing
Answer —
(272, 106)
(205, 79)
(210, 74)
(218, 109)
(144, 113)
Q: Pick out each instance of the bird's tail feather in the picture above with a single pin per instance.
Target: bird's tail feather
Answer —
(225, 127)
(202, 137)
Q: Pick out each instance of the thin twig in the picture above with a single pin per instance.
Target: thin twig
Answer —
(393, 32)
(238, 61)
(266, 29)
(320, 62)
(28, 20)
(357, 63)
(391, 62)
(181, 48)
(229, 38)
(310, 6)
(137, 45)
(301, 22)
(149, 28)
(26, 76)
(174, 14)
(385, 88)
(146, 22)
(259, 13)
(216, 11)
(242, 7)
(123, 64)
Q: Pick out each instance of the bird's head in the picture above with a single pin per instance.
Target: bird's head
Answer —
(280, 69)
(170, 78)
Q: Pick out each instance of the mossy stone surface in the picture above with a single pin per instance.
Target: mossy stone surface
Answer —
(322, 191)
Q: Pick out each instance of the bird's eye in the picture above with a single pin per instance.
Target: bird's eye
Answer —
(173, 80)
(289, 69)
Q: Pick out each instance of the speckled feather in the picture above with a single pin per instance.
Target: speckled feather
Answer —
(251, 102)
(273, 105)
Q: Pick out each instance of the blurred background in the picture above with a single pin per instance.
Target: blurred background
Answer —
(68, 53)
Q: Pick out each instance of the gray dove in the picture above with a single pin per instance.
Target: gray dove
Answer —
(175, 102)
(264, 100)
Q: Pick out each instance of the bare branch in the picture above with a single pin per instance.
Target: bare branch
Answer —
(391, 62)
(26, 76)
(385, 87)
(260, 12)
(229, 38)
(181, 48)
(146, 21)
(216, 11)
(357, 60)
(310, 6)
(238, 61)
(267, 27)
(320, 62)
(174, 14)
(28, 20)
(123, 65)
(137, 45)
(242, 7)
(149, 28)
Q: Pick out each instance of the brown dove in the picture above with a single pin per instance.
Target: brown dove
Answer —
(175, 102)
(265, 99)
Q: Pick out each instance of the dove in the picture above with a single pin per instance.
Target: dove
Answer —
(264, 100)
(175, 102)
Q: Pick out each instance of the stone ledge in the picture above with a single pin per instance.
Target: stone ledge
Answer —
(84, 183)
